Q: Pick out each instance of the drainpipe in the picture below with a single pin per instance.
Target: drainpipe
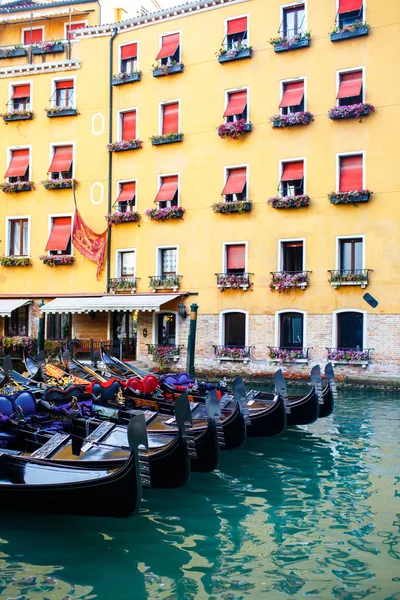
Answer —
(110, 155)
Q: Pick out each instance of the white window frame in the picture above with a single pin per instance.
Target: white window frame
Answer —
(117, 265)
(66, 25)
(161, 114)
(42, 27)
(280, 251)
(221, 328)
(233, 18)
(163, 35)
(339, 238)
(119, 186)
(158, 258)
(18, 218)
(120, 114)
(225, 245)
(14, 83)
(239, 89)
(335, 328)
(293, 4)
(161, 177)
(154, 332)
(9, 152)
(54, 145)
(340, 72)
(51, 218)
(277, 334)
(53, 90)
(353, 153)
(120, 54)
(285, 161)
(293, 80)
(231, 167)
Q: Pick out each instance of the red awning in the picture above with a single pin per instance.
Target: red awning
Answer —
(293, 171)
(129, 126)
(129, 51)
(293, 94)
(37, 36)
(62, 159)
(170, 44)
(21, 91)
(235, 258)
(60, 234)
(235, 182)
(237, 25)
(293, 244)
(350, 84)
(65, 85)
(128, 192)
(168, 189)
(170, 118)
(18, 164)
(351, 173)
(349, 6)
(237, 103)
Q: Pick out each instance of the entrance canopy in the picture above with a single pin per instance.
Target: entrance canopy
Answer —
(7, 306)
(108, 303)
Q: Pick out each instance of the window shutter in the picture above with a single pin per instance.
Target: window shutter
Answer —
(129, 51)
(293, 171)
(235, 256)
(235, 182)
(168, 189)
(237, 103)
(350, 84)
(19, 163)
(62, 159)
(170, 44)
(351, 173)
(293, 94)
(21, 91)
(129, 126)
(170, 118)
(37, 36)
(346, 6)
(60, 234)
(237, 25)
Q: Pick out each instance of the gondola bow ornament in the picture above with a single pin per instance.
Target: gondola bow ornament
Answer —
(90, 244)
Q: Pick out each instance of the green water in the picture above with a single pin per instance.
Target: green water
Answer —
(312, 514)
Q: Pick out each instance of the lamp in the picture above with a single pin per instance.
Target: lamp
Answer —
(182, 311)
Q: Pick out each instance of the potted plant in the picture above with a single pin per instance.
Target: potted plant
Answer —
(282, 281)
(124, 145)
(55, 260)
(20, 114)
(61, 111)
(238, 206)
(16, 187)
(161, 282)
(13, 51)
(160, 70)
(239, 52)
(233, 129)
(233, 281)
(287, 354)
(289, 201)
(351, 111)
(123, 284)
(59, 184)
(297, 118)
(349, 355)
(163, 355)
(123, 77)
(118, 217)
(293, 42)
(235, 353)
(166, 138)
(15, 261)
(356, 29)
(165, 214)
(352, 197)
(50, 47)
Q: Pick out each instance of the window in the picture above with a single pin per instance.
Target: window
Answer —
(293, 20)
(351, 173)
(63, 96)
(73, 27)
(18, 237)
(235, 258)
(350, 88)
(236, 34)
(17, 324)
(235, 188)
(291, 330)
(126, 263)
(166, 329)
(170, 118)
(236, 106)
(350, 11)
(168, 193)
(21, 97)
(58, 326)
(234, 329)
(32, 36)
(292, 256)
(292, 180)
(129, 58)
(59, 241)
(350, 330)
(168, 261)
(170, 49)
(61, 166)
(128, 126)
(292, 97)
(126, 201)
(18, 169)
(350, 254)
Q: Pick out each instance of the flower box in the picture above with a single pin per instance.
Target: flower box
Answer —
(61, 112)
(56, 260)
(165, 214)
(168, 138)
(234, 129)
(47, 48)
(349, 356)
(59, 184)
(23, 115)
(118, 217)
(285, 44)
(283, 281)
(357, 277)
(350, 111)
(15, 261)
(224, 208)
(123, 146)
(163, 70)
(298, 118)
(122, 78)
(233, 353)
(352, 197)
(233, 281)
(163, 354)
(13, 53)
(230, 55)
(289, 201)
(288, 355)
(160, 282)
(123, 284)
(350, 32)
(16, 188)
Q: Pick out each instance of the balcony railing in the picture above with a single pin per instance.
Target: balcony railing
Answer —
(282, 281)
(123, 284)
(349, 277)
(350, 356)
(233, 281)
(165, 282)
(236, 353)
(288, 355)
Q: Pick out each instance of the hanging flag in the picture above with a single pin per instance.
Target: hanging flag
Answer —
(90, 244)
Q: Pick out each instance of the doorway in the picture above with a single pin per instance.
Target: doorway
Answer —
(124, 329)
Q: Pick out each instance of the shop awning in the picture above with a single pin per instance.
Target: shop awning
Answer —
(346, 6)
(7, 306)
(235, 182)
(151, 302)
(168, 189)
(18, 164)
(170, 44)
(293, 171)
(62, 159)
(237, 103)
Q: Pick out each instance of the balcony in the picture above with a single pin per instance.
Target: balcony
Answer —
(234, 281)
(357, 29)
(233, 353)
(123, 285)
(241, 52)
(123, 78)
(289, 355)
(51, 47)
(164, 354)
(293, 42)
(353, 357)
(349, 277)
(171, 69)
(283, 281)
(165, 282)
(236, 206)
(168, 138)
(61, 111)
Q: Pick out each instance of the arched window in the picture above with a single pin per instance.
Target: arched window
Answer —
(291, 330)
(350, 330)
(234, 333)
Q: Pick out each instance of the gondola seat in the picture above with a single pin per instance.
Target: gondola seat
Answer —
(6, 409)
(105, 391)
(178, 379)
(147, 385)
(26, 401)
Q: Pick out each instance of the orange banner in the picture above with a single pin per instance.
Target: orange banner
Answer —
(90, 244)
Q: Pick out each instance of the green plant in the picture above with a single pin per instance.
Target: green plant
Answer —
(15, 261)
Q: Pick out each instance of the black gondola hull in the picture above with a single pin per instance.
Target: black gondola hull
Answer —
(207, 450)
(327, 407)
(269, 422)
(303, 411)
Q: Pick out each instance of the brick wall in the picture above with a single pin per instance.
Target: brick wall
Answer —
(85, 327)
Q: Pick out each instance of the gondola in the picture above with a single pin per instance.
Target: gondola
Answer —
(266, 417)
(33, 366)
(37, 485)
(329, 393)
(116, 367)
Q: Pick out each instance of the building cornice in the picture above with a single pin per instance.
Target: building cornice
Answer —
(36, 69)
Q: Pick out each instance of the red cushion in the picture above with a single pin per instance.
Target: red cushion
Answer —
(104, 384)
(150, 383)
(135, 384)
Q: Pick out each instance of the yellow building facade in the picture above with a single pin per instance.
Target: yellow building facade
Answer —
(332, 262)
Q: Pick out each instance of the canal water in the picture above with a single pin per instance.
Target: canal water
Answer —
(314, 513)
